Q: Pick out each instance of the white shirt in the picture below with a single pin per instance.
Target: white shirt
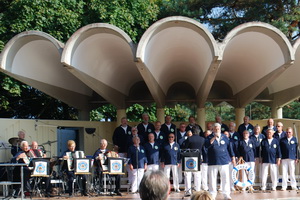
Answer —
(270, 141)
(145, 126)
(182, 133)
(171, 144)
(125, 128)
(169, 126)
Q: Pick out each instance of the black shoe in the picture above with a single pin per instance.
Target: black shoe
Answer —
(84, 194)
(117, 192)
(70, 195)
(15, 194)
(48, 195)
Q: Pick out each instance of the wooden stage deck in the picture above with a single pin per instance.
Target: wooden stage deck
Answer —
(279, 195)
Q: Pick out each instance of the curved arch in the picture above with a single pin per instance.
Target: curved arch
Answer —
(99, 54)
(33, 57)
(257, 53)
(176, 49)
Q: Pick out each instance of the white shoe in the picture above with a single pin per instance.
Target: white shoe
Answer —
(273, 189)
(227, 197)
(294, 188)
(283, 189)
(263, 188)
(177, 190)
(232, 189)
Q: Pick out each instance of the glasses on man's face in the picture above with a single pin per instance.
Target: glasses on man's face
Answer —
(278, 126)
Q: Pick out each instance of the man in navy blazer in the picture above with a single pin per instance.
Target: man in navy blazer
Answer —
(137, 163)
(168, 127)
(121, 134)
(245, 126)
(280, 133)
(194, 142)
(152, 149)
(219, 151)
(271, 155)
(171, 160)
(246, 150)
(145, 127)
(288, 147)
(270, 125)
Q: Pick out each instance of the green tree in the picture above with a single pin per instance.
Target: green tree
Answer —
(61, 18)
(222, 16)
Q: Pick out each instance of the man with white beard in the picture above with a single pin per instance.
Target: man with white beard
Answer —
(220, 151)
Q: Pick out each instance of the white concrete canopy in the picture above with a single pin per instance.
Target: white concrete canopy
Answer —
(177, 59)
(102, 56)
(33, 57)
(253, 56)
(177, 49)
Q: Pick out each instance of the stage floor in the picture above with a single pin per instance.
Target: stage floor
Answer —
(279, 195)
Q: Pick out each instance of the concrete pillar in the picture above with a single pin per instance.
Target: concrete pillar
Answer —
(276, 112)
(120, 113)
(239, 116)
(201, 118)
(160, 114)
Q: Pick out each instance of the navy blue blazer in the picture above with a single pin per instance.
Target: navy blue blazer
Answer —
(282, 135)
(136, 157)
(224, 128)
(257, 141)
(153, 153)
(265, 128)
(247, 151)
(130, 142)
(289, 150)
(234, 146)
(164, 128)
(120, 136)
(270, 153)
(219, 154)
(236, 136)
(242, 127)
(195, 142)
(189, 127)
(171, 156)
(161, 139)
(142, 131)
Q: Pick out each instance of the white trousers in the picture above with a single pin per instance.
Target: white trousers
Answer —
(224, 175)
(273, 171)
(174, 169)
(188, 180)
(288, 167)
(179, 171)
(137, 175)
(204, 177)
(129, 174)
(152, 167)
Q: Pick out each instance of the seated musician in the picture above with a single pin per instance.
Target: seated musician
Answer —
(22, 157)
(69, 156)
(35, 152)
(100, 157)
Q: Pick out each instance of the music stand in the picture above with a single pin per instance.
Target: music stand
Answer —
(83, 166)
(190, 163)
(116, 166)
(41, 169)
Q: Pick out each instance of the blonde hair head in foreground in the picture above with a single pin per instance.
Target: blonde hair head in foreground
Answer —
(203, 195)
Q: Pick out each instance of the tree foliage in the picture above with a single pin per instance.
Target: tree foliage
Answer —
(61, 18)
(222, 16)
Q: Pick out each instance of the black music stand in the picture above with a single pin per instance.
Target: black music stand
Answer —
(190, 163)
(41, 169)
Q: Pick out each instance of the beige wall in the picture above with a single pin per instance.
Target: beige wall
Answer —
(46, 130)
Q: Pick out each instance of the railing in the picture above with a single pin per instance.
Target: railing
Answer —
(22, 174)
